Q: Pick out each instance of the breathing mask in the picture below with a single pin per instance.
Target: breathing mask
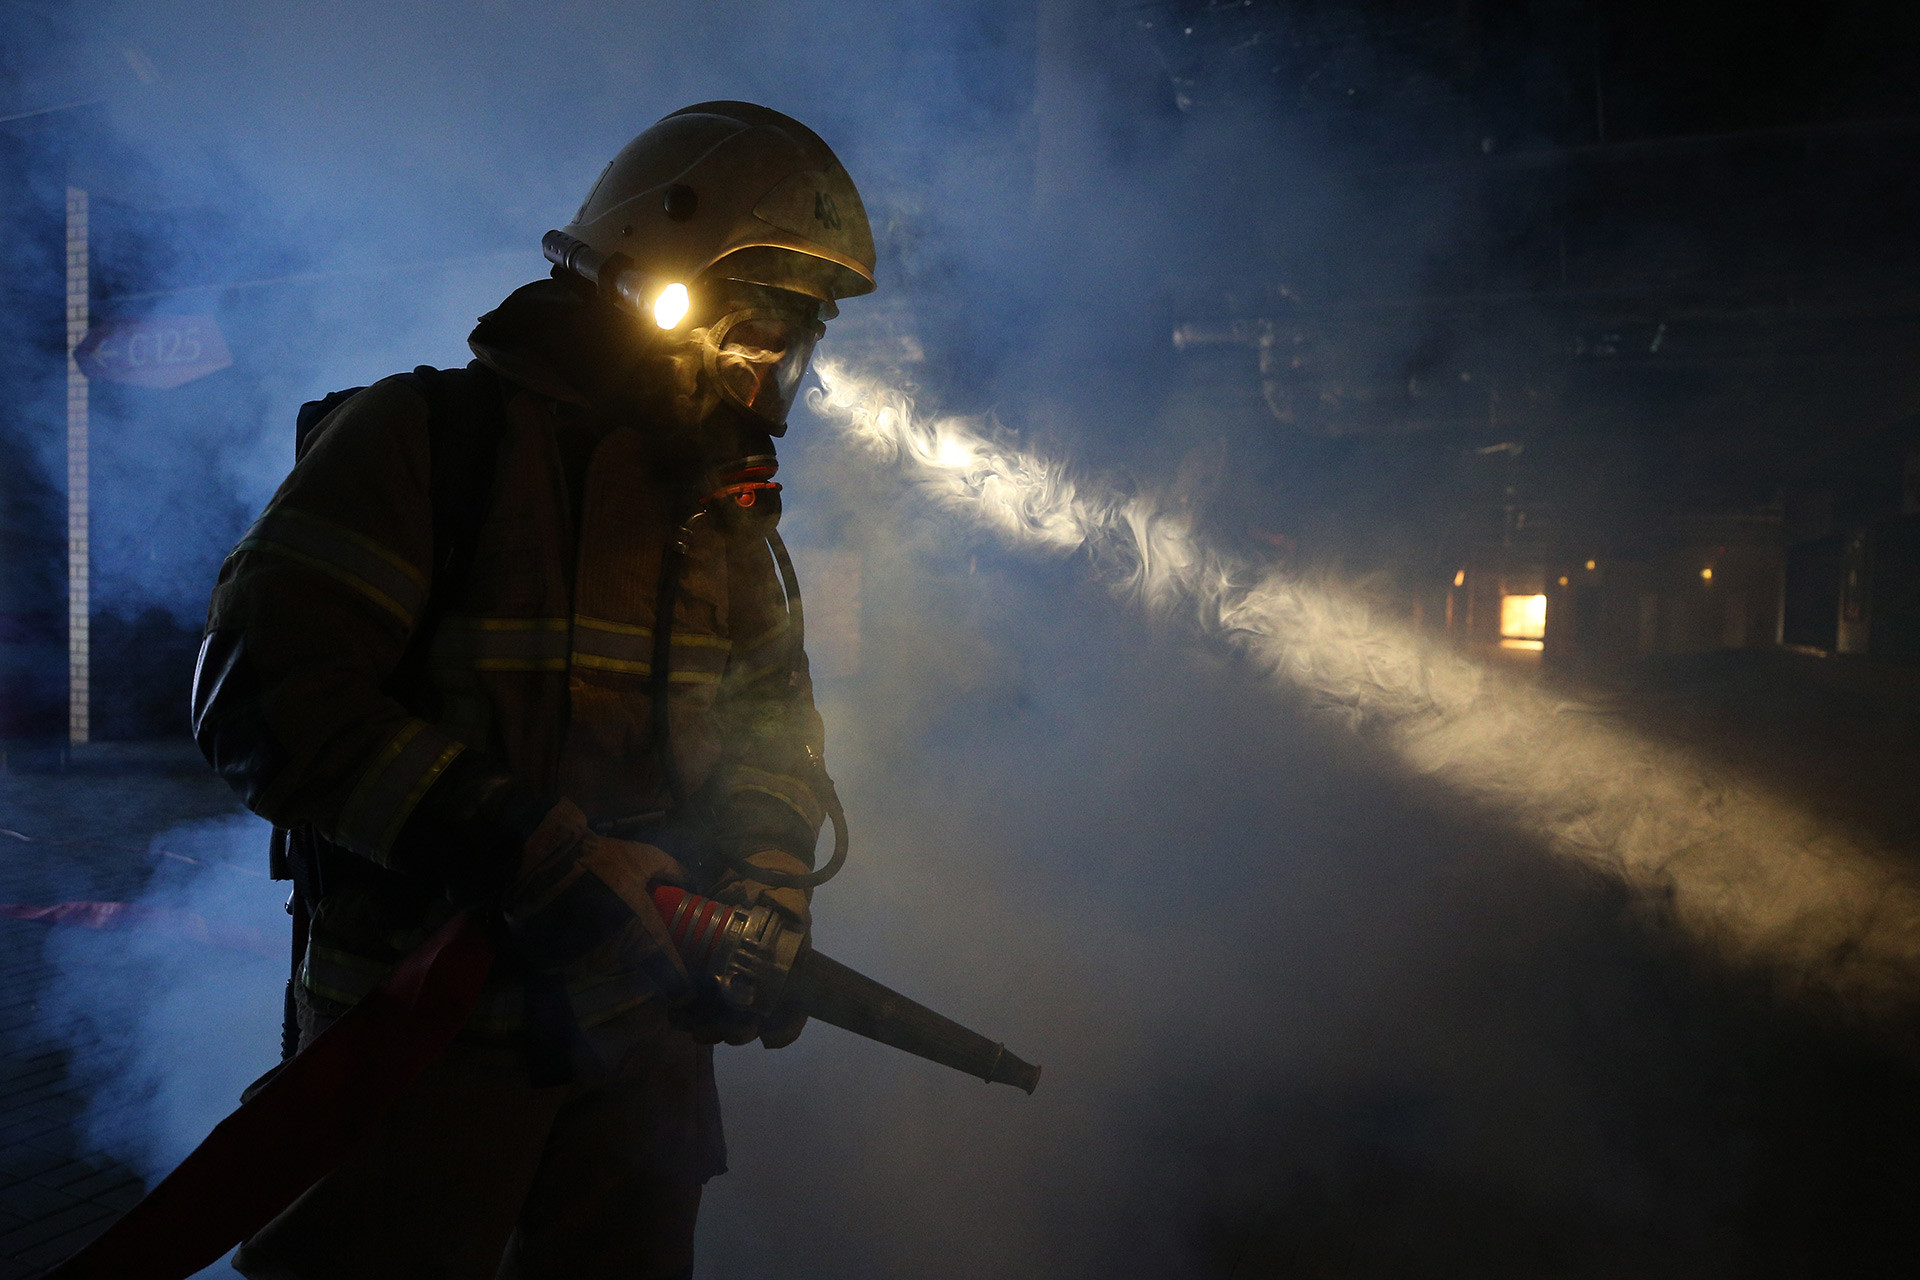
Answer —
(756, 349)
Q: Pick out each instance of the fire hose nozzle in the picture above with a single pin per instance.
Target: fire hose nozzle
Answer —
(758, 961)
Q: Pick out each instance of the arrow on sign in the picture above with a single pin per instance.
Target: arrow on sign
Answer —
(156, 351)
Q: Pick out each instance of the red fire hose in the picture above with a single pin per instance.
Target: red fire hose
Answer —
(326, 1100)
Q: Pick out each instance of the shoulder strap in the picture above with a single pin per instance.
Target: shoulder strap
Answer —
(311, 414)
(466, 419)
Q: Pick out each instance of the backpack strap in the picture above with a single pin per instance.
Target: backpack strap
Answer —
(466, 419)
(312, 413)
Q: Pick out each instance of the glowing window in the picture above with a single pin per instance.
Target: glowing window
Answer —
(1523, 617)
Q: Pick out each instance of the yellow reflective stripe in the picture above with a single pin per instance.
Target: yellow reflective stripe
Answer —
(766, 654)
(694, 640)
(747, 675)
(502, 644)
(413, 759)
(767, 637)
(341, 976)
(601, 645)
(793, 792)
(500, 1011)
(676, 676)
(341, 554)
(547, 644)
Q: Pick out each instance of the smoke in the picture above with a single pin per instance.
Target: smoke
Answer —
(1751, 875)
(173, 1007)
(176, 1013)
(1275, 971)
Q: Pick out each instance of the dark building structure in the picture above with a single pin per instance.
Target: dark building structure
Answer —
(1852, 537)
(1650, 368)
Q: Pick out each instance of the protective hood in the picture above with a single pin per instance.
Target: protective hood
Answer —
(557, 338)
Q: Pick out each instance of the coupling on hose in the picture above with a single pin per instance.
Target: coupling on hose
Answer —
(746, 952)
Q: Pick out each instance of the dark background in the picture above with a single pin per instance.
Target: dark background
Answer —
(1405, 294)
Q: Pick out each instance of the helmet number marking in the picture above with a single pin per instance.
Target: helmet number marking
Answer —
(825, 212)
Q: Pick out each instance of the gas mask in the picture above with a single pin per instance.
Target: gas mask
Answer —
(756, 350)
(753, 341)
(738, 351)
(752, 344)
(753, 349)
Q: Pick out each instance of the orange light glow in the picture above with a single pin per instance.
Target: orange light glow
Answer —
(1460, 578)
(1523, 617)
(1706, 574)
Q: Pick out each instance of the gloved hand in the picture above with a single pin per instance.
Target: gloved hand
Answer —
(781, 1026)
(578, 892)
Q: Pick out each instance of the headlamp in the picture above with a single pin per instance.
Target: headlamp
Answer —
(617, 277)
(755, 352)
(670, 308)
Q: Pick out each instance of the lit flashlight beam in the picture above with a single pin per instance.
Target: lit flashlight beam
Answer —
(1752, 875)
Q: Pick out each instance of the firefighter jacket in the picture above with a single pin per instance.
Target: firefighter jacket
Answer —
(536, 684)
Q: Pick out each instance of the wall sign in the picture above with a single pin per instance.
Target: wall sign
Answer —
(154, 351)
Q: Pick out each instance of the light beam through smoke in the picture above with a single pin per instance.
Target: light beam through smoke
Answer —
(1758, 879)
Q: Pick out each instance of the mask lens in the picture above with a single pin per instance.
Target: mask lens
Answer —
(759, 360)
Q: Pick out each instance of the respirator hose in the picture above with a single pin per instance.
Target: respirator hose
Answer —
(808, 879)
(672, 558)
(829, 795)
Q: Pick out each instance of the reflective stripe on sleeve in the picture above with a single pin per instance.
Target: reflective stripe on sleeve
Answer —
(619, 646)
(502, 644)
(341, 976)
(392, 785)
(766, 654)
(790, 791)
(342, 555)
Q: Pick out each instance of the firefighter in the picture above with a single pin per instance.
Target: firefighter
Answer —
(447, 718)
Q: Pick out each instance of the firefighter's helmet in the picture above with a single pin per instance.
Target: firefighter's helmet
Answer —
(736, 190)
(737, 226)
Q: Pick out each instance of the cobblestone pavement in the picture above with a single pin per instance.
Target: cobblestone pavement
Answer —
(109, 802)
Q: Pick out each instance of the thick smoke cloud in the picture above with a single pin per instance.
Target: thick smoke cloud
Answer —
(172, 1015)
(1760, 880)
(1286, 988)
(204, 968)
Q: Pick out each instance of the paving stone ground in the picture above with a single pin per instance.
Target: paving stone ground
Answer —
(108, 803)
